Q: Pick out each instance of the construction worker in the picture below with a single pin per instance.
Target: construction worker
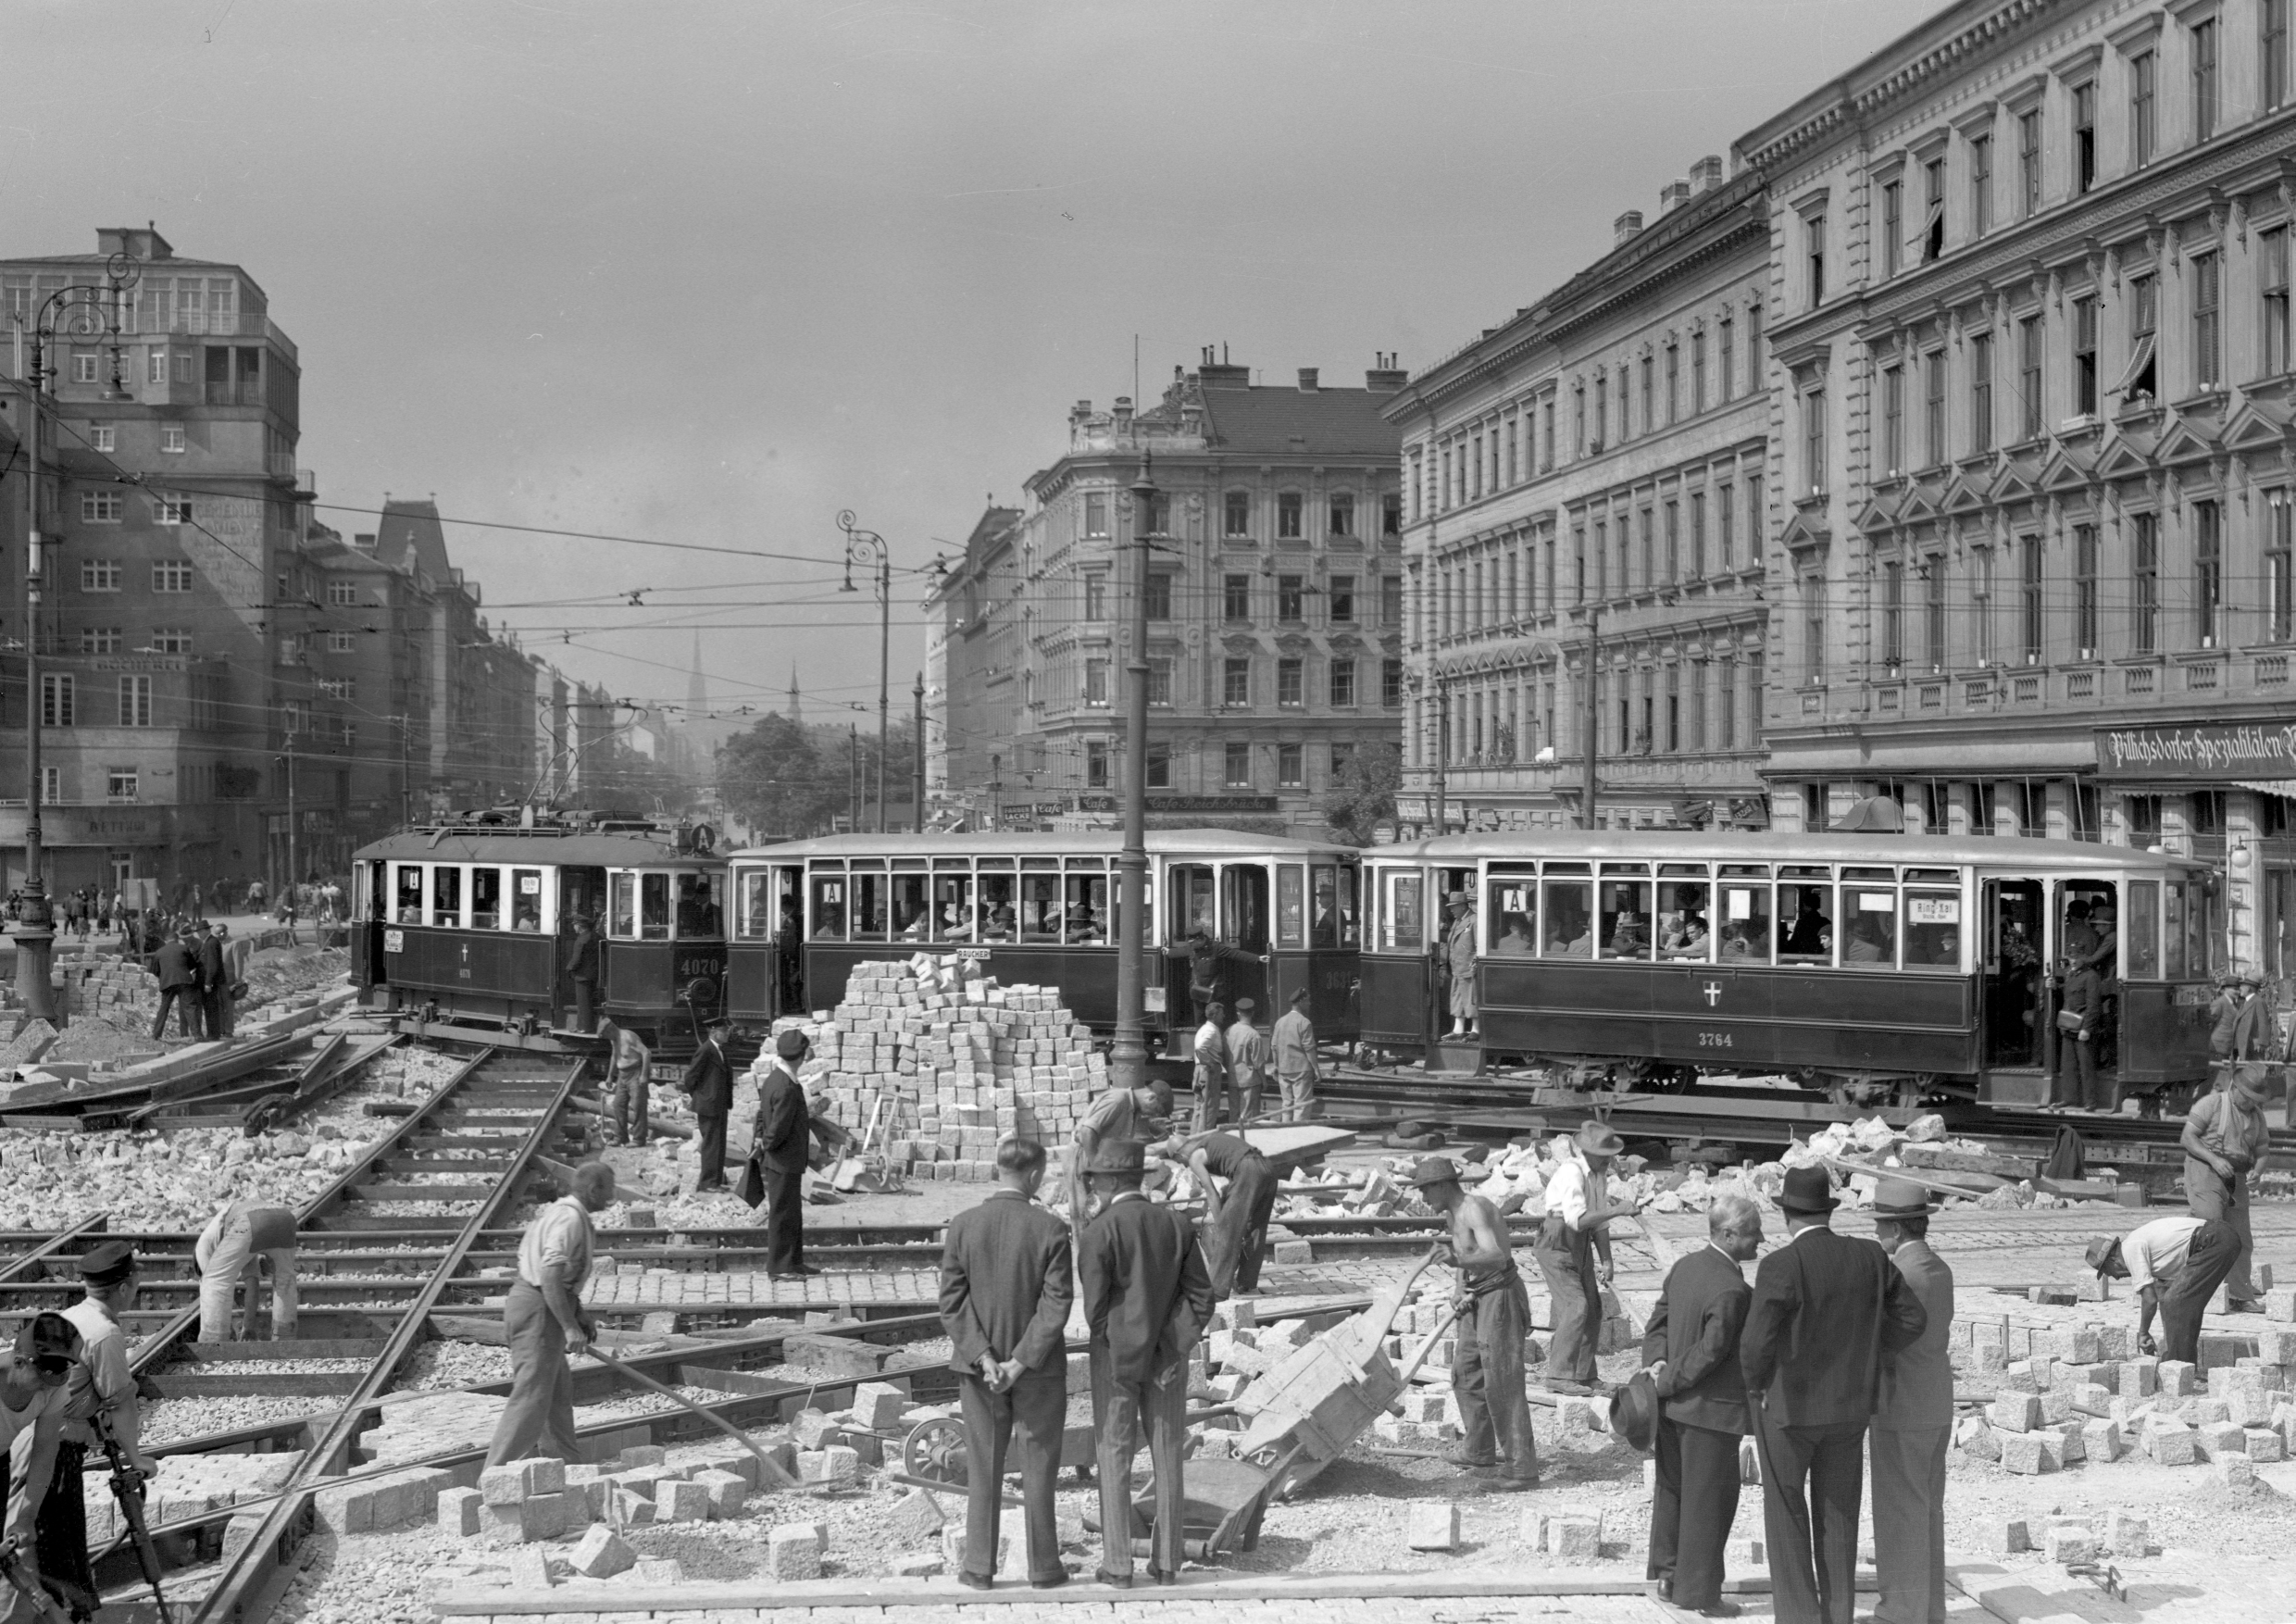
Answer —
(627, 1104)
(1247, 1062)
(1235, 1224)
(1296, 1060)
(238, 1241)
(544, 1321)
(1119, 1113)
(1210, 1082)
(34, 1391)
(1487, 1378)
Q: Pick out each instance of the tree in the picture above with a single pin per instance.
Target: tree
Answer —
(775, 777)
(1362, 794)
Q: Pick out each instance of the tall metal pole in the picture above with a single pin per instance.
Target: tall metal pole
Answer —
(1593, 724)
(917, 775)
(853, 777)
(294, 866)
(884, 654)
(1127, 1056)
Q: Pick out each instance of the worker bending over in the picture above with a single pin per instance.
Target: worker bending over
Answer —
(545, 1322)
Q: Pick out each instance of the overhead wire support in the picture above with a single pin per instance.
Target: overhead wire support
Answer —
(863, 545)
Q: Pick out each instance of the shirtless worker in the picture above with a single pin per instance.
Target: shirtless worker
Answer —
(1487, 1375)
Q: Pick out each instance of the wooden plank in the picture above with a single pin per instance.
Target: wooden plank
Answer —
(1287, 1145)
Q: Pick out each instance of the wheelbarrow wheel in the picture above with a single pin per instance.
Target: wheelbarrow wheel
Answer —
(935, 1449)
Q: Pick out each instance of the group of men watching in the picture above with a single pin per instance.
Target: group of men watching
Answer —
(201, 969)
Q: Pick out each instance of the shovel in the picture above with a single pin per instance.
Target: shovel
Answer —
(855, 1172)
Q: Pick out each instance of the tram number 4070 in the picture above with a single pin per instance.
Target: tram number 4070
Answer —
(1715, 1041)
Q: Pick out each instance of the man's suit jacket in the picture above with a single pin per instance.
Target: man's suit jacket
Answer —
(1826, 1308)
(1918, 1379)
(1004, 1286)
(1146, 1292)
(784, 1123)
(710, 1081)
(1701, 1310)
(210, 963)
(175, 966)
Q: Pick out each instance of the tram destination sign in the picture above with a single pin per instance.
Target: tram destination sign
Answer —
(2263, 750)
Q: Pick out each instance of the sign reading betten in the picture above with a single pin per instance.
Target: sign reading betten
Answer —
(2244, 750)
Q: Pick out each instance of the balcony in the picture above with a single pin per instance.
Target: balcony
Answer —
(240, 395)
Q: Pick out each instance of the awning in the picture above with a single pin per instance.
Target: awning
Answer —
(2270, 786)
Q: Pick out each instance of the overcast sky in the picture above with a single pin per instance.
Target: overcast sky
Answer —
(709, 273)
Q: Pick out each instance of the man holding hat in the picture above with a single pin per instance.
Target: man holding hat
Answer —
(1459, 963)
(784, 1145)
(2176, 1263)
(1914, 1425)
(2225, 1145)
(708, 1083)
(1235, 1225)
(1487, 1374)
(1826, 1309)
(1247, 1062)
(1579, 1212)
(1146, 1301)
(99, 1383)
(34, 1394)
(1296, 1060)
(1690, 1348)
(1120, 1113)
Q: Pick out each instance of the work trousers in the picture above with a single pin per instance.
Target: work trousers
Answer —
(184, 1001)
(785, 1221)
(223, 1013)
(1121, 1411)
(1909, 1521)
(1211, 1089)
(1575, 1305)
(2208, 1194)
(628, 1109)
(1299, 1098)
(1692, 1511)
(1249, 1088)
(235, 1259)
(1032, 1413)
(61, 1534)
(540, 1420)
(1812, 1484)
(1487, 1383)
(1234, 1244)
(713, 1125)
(585, 1004)
(2215, 1247)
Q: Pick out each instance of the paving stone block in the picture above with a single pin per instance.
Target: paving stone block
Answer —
(2231, 1470)
(878, 1404)
(2140, 1378)
(1744, 1553)
(2203, 1411)
(2008, 1535)
(2020, 1377)
(603, 1554)
(502, 1485)
(678, 1501)
(1977, 1441)
(544, 1474)
(2178, 1378)
(807, 1427)
(545, 1516)
(727, 1491)
(530, 1570)
(238, 1533)
(507, 1523)
(2114, 1341)
(2093, 1398)
(2031, 1453)
(1431, 1525)
(2251, 1409)
(660, 1570)
(2056, 1405)
(458, 1512)
(953, 1547)
(630, 1510)
(2070, 1544)
(2281, 1305)
(2100, 1441)
(1574, 1416)
(2217, 1438)
(1300, 1252)
(2126, 1534)
(2264, 1446)
(917, 1518)
(2015, 1412)
(642, 1454)
(345, 1510)
(1575, 1539)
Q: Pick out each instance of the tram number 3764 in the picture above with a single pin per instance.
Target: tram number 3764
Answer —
(1715, 1041)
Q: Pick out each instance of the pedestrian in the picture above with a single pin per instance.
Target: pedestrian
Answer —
(239, 952)
(2238, 1023)
(1458, 951)
(627, 1057)
(1004, 1297)
(1912, 1428)
(1690, 1349)
(1235, 1224)
(1120, 1113)
(708, 1083)
(1487, 1374)
(215, 992)
(784, 1142)
(2175, 1263)
(1826, 1309)
(582, 969)
(1571, 1240)
(237, 1242)
(1209, 1082)
(1247, 1062)
(1203, 973)
(101, 1384)
(1146, 1301)
(178, 988)
(544, 1323)
(255, 897)
(1296, 1060)
(35, 1392)
(2225, 1144)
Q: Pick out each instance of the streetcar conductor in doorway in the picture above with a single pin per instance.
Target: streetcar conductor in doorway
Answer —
(708, 1083)
(582, 969)
(784, 1144)
(1459, 963)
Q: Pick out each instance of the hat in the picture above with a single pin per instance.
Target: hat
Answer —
(1429, 1171)
(1299, 994)
(1117, 1155)
(791, 1045)
(109, 1264)
(1458, 897)
(1599, 1139)
(1245, 1006)
(2249, 1078)
(1808, 1190)
(1896, 1198)
(2102, 1250)
(1634, 1411)
(48, 1336)
(1160, 1098)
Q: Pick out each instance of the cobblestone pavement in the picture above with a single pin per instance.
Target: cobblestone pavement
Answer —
(1179, 1609)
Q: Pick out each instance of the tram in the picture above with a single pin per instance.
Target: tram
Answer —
(1280, 914)
(1861, 964)
(472, 925)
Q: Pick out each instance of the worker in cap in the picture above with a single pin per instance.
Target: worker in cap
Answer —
(783, 1146)
(100, 1383)
(1118, 1114)
(1487, 1374)
(2176, 1264)
(2225, 1143)
(35, 1392)
(239, 1240)
(545, 1322)
(1574, 1235)
(1913, 1424)
(1294, 1047)
(1147, 1299)
(1236, 1215)
(1247, 1062)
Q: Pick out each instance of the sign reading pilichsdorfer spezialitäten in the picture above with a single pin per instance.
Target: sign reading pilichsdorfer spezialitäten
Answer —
(2265, 750)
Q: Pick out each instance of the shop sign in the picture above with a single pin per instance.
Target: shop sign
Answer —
(2246, 750)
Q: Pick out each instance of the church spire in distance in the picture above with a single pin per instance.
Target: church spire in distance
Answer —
(796, 710)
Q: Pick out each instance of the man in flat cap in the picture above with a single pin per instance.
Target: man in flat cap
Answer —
(34, 1390)
(100, 1385)
(2225, 1144)
(544, 1321)
(1146, 1301)
(1247, 1061)
(1140, 1113)
(1579, 1213)
(1912, 1426)
(2176, 1264)
(1235, 1221)
(1487, 1378)
(784, 1145)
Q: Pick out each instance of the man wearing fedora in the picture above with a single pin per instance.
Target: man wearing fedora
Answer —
(784, 1145)
(1146, 1300)
(2225, 1143)
(1826, 1309)
(1914, 1425)
(1459, 963)
(1486, 1375)
(1579, 1212)
(1690, 1348)
(708, 1083)
(2176, 1264)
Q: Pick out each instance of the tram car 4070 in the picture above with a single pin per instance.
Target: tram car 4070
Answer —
(469, 927)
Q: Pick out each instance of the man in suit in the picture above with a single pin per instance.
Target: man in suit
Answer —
(178, 987)
(1825, 1310)
(1691, 1350)
(215, 995)
(1235, 1224)
(1494, 1319)
(1146, 1300)
(784, 1142)
(1004, 1296)
(708, 1083)
(1914, 1423)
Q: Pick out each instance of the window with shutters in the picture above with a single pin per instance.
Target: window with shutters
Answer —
(56, 696)
(2144, 570)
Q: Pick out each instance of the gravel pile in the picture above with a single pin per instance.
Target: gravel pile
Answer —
(170, 1419)
(437, 1365)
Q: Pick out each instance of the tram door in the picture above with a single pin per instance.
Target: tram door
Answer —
(2015, 995)
(373, 907)
(1461, 883)
(1243, 938)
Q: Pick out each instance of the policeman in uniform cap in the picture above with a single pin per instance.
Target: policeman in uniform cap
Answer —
(100, 1383)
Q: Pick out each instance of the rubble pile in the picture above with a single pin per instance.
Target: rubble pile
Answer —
(951, 1062)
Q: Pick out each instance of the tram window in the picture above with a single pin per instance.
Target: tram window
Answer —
(1403, 922)
(2144, 930)
(1806, 926)
(1085, 908)
(828, 907)
(486, 899)
(1626, 918)
(445, 895)
(1330, 920)
(1933, 929)
(1570, 914)
(1147, 896)
(1511, 905)
(912, 906)
(406, 895)
(1291, 906)
(1244, 907)
(754, 904)
(997, 923)
(2173, 937)
(1040, 907)
(526, 899)
(701, 909)
(1684, 930)
(654, 908)
(1744, 936)
(2087, 929)
(868, 910)
(2203, 923)
(952, 906)
(1869, 927)
(1191, 908)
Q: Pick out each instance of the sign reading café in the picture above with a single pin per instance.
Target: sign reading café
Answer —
(2258, 750)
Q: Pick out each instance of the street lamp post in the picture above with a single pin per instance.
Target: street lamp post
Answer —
(1127, 1056)
(864, 544)
(1592, 724)
(916, 780)
(82, 312)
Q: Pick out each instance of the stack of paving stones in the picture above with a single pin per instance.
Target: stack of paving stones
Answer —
(963, 1061)
(186, 1486)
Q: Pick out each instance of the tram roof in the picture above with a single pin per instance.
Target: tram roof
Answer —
(1685, 846)
(535, 848)
(1168, 842)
